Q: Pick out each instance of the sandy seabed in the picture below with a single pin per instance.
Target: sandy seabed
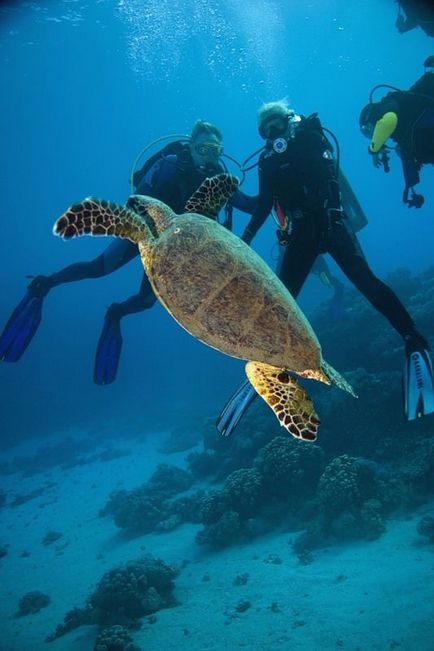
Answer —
(364, 596)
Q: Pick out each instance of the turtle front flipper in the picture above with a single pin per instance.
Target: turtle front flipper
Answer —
(212, 195)
(99, 217)
(287, 399)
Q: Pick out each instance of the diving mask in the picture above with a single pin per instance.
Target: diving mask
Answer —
(367, 129)
(274, 127)
(209, 150)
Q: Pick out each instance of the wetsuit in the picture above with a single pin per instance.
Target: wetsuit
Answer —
(303, 180)
(408, 118)
(417, 13)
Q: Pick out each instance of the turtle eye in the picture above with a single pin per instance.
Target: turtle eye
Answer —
(133, 202)
(137, 203)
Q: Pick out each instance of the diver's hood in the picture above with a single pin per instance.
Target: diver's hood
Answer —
(370, 114)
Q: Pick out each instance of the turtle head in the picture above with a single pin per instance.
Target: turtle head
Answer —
(157, 214)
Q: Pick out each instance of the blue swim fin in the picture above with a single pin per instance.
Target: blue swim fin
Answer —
(418, 385)
(234, 409)
(108, 352)
(21, 327)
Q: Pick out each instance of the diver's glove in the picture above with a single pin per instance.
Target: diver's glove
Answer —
(375, 157)
(247, 236)
(380, 158)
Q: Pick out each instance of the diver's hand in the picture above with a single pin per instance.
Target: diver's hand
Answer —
(381, 158)
(247, 236)
(376, 157)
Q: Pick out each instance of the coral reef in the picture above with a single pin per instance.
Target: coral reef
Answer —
(32, 602)
(225, 511)
(226, 531)
(354, 496)
(284, 477)
(202, 464)
(290, 469)
(124, 595)
(149, 507)
(243, 492)
(418, 466)
(221, 456)
(344, 485)
(167, 481)
(115, 638)
(73, 619)
(213, 506)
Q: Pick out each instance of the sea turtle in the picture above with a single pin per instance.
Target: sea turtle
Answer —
(220, 291)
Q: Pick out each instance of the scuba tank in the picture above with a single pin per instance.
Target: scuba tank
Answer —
(179, 148)
(174, 147)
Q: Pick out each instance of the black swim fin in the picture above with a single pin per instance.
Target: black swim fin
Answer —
(234, 409)
(418, 385)
(108, 352)
(21, 327)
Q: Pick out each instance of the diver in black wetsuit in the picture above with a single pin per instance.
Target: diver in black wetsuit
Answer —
(407, 117)
(415, 13)
(172, 178)
(298, 170)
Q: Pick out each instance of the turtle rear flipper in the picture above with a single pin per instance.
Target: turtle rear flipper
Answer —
(99, 217)
(212, 194)
(336, 378)
(288, 400)
(329, 375)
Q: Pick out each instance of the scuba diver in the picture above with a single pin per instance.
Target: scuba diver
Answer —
(171, 175)
(415, 13)
(320, 268)
(406, 116)
(297, 167)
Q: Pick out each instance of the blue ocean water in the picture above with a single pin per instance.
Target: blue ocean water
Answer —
(89, 84)
(86, 85)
